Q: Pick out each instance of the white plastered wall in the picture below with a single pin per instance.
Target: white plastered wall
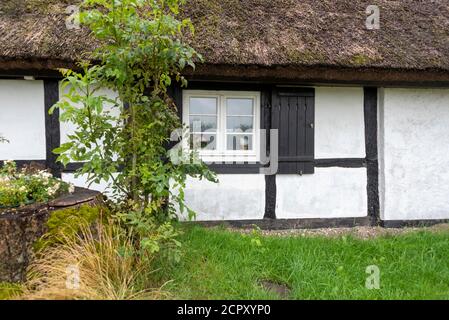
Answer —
(339, 123)
(22, 120)
(414, 154)
(235, 197)
(328, 193)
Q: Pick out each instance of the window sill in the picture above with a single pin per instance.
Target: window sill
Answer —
(235, 168)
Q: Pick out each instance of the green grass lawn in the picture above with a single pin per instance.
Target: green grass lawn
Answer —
(220, 264)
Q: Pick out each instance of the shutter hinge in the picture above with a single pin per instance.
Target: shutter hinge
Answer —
(311, 125)
(300, 172)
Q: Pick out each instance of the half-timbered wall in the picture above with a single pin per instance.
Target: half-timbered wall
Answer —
(337, 188)
(405, 130)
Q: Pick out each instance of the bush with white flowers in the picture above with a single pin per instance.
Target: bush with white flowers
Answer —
(19, 187)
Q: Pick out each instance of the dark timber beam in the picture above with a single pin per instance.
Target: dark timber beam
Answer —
(270, 180)
(412, 223)
(302, 75)
(372, 163)
(270, 197)
(52, 127)
(283, 224)
(22, 163)
(341, 162)
(278, 74)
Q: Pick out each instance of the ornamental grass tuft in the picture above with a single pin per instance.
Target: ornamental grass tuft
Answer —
(95, 265)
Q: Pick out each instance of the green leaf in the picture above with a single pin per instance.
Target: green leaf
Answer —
(63, 148)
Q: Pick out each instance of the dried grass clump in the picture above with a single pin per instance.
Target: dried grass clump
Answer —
(108, 269)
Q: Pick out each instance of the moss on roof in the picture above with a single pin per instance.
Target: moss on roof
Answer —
(413, 34)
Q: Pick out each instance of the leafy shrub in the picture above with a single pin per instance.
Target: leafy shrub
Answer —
(150, 236)
(141, 53)
(12, 195)
(20, 187)
(68, 223)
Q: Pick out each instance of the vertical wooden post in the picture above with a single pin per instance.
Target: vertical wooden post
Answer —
(52, 127)
(372, 163)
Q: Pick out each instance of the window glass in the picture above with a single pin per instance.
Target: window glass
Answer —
(239, 106)
(203, 141)
(239, 142)
(239, 122)
(203, 123)
(203, 105)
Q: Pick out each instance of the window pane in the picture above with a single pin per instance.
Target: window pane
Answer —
(203, 141)
(203, 105)
(239, 106)
(239, 124)
(239, 142)
(203, 123)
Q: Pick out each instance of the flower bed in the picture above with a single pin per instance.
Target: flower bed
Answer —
(26, 186)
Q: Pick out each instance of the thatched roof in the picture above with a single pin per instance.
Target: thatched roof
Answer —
(414, 34)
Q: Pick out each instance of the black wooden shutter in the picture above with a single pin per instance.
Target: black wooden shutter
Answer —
(293, 114)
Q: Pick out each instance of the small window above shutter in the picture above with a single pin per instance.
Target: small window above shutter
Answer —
(293, 114)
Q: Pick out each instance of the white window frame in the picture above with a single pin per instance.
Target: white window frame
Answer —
(221, 154)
